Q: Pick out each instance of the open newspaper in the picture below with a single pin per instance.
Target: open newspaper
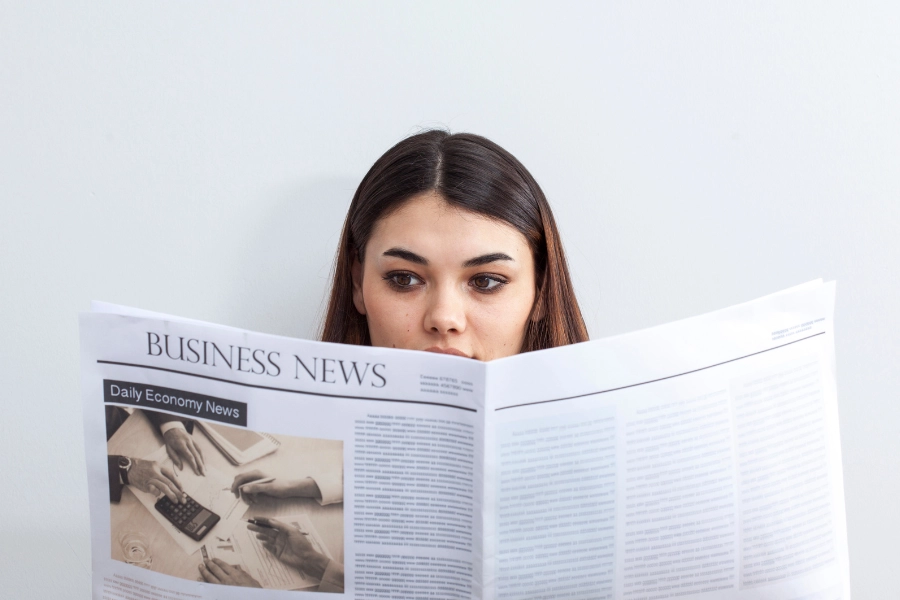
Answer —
(695, 459)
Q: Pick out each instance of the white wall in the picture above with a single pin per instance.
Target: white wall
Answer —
(197, 158)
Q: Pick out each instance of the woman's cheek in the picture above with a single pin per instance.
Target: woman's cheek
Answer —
(506, 327)
(391, 319)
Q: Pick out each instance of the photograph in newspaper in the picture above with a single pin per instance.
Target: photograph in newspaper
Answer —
(226, 505)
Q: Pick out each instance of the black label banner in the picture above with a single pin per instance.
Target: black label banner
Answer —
(154, 397)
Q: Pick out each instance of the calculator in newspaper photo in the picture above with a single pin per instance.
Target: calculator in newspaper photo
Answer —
(190, 518)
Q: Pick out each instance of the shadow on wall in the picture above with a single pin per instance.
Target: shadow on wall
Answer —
(283, 274)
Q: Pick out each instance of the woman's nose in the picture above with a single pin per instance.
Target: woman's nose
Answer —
(445, 312)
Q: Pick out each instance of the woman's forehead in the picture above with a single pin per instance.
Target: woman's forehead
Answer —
(433, 228)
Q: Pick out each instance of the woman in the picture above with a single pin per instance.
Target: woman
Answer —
(449, 246)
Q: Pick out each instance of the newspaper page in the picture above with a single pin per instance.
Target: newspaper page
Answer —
(699, 459)
(332, 469)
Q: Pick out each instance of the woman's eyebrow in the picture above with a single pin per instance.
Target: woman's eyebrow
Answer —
(406, 255)
(486, 258)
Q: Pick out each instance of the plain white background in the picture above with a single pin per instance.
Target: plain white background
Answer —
(197, 158)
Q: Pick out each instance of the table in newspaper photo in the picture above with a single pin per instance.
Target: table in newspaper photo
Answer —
(137, 438)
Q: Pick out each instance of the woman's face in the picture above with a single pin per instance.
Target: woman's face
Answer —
(443, 279)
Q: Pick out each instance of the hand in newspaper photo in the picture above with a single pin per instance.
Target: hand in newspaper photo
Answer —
(148, 476)
(253, 483)
(218, 571)
(290, 545)
(182, 450)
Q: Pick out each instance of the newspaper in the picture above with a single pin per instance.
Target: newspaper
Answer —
(697, 459)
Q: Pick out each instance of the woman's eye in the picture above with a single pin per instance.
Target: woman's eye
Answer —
(487, 283)
(402, 280)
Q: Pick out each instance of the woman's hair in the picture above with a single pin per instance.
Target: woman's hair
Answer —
(474, 174)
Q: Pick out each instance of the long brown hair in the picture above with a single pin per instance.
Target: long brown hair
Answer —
(475, 174)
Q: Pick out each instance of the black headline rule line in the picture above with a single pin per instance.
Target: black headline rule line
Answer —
(625, 387)
(288, 390)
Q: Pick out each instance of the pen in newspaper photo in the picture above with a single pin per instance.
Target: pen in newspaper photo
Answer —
(260, 523)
